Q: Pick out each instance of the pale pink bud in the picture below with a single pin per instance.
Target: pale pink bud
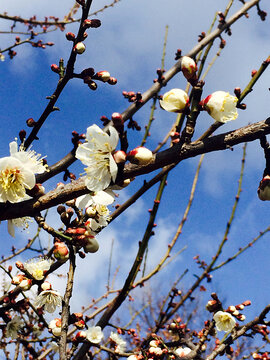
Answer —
(154, 343)
(25, 284)
(140, 155)
(79, 48)
(188, 67)
(155, 351)
(61, 251)
(80, 336)
(120, 157)
(103, 75)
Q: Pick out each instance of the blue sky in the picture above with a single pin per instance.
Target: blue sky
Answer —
(129, 45)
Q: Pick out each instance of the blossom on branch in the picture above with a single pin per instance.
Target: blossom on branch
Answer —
(120, 343)
(175, 100)
(221, 106)
(50, 299)
(17, 173)
(188, 67)
(13, 326)
(224, 321)
(56, 326)
(96, 154)
(38, 267)
(94, 334)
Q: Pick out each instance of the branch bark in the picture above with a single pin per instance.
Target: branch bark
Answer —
(170, 156)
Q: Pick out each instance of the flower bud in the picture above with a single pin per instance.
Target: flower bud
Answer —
(103, 75)
(61, 251)
(188, 67)
(70, 36)
(46, 286)
(55, 68)
(79, 48)
(140, 156)
(30, 122)
(175, 100)
(88, 72)
(120, 157)
(92, 245)
(93, 23)
(80, 336)
(221, 106)
(92, 85)
(264, 189)
(112, 81)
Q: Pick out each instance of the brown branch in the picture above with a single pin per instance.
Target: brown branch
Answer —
(167, 157)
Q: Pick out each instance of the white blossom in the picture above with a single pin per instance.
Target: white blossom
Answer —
(96, 154)
(50, 299)
(182, 351)
(37, 267)
(120, 343)
(224, 321)
(188, 67)
(221, 106)
(17, 173)
(18, 222)
(94, 334)
(13, 326)
(175, 100)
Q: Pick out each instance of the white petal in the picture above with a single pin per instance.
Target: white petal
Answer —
(13, 148)
(104, 197)
(113, 168)
(114, 137)
(84, 201)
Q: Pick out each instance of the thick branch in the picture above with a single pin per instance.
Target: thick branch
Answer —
(166, 157)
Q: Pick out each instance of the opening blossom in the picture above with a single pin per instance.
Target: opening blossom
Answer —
(120, 343)
(224, 321)
(38, 267)
(94, 334)
(96, 154)
(17, 173)
(175, 100)
(221, 106)
(48, 298)
(188, 67)
(13, 326)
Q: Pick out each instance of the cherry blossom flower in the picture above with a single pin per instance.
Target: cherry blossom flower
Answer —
(50, 299)
(13, 326)
(38, 267)
(96, 154)
(221, 106)
(175, 100)
(224, 321)
(120, 343)
(17, 173)
(264, 189)
(94, 334)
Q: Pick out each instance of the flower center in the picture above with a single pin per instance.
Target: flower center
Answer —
(38, 274)
(12, 182)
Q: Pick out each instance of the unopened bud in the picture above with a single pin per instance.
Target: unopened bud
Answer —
(70, 36)
(46, 286)
(253, 73)
(92, 246)
(120, 157)
(103, 75)
(55, 68)
(112, 81)
(92, 85)
(30, 122)
(140, 156)
(22, 135)
(61, 251)
(79, 48)
(93, 23)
